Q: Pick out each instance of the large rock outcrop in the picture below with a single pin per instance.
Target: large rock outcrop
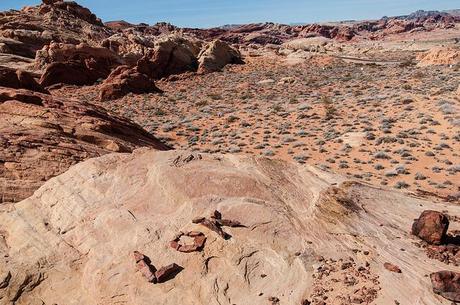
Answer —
(61, 52)
(71, 73)
(75, 64)
(42, 136)
(28, 30)
(171, 55)
(124, 80)
(216, 55)
(18, 79)
(305, 236)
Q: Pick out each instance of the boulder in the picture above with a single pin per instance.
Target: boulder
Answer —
(124, 80)
(310, 44)
(216, 55)
(18, 79)
(431, 226)
(71, 73)
(446, 284)
(171, 55)
(104, 59)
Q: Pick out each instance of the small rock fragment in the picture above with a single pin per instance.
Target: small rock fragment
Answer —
(392, 268)
(144, 266)
(167, 272)
(198, 242)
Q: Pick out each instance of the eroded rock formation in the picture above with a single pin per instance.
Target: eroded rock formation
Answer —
(73, 239)
(42, 136)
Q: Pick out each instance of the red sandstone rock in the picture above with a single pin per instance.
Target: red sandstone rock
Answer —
(18, 79)
(216, 222)
(57, 133)
(446, 284)
(392, 268)
(165, 273)
(198, 242)
(144, 266)
(124, 80)
(173, 55)
(69, 72)
(431, 226)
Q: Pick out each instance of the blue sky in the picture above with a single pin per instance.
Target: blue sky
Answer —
(207, 13)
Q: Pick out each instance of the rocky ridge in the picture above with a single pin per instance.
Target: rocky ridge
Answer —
(42, 136)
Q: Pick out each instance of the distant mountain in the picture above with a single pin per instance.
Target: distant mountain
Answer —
(455, 12)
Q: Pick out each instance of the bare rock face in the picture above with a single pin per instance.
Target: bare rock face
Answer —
(30, 29)
(216, 55)
(42, 136)
(446, 284)
(72, 242)
(75, 64)
(124, 80)
(71, 73)
(60, 52)
(171, 55)
(18, 79)
(131, 45)
(76, 10)
(431, 226)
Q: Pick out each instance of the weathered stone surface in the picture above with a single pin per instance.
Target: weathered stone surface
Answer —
(431, 226)
(171, 55)
(105, 59)
(69, 72)
(18, 79)
(124, 80)
(29, 29)
(216, 55)
(446, 284)
(80, 228)
(42, 136)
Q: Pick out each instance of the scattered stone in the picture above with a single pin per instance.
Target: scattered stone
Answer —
(431, 226)
(392, 268)
(144, 266)
(446, 284)
(216, 222)
(198, 242)
(149, 271)
(168, 272)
